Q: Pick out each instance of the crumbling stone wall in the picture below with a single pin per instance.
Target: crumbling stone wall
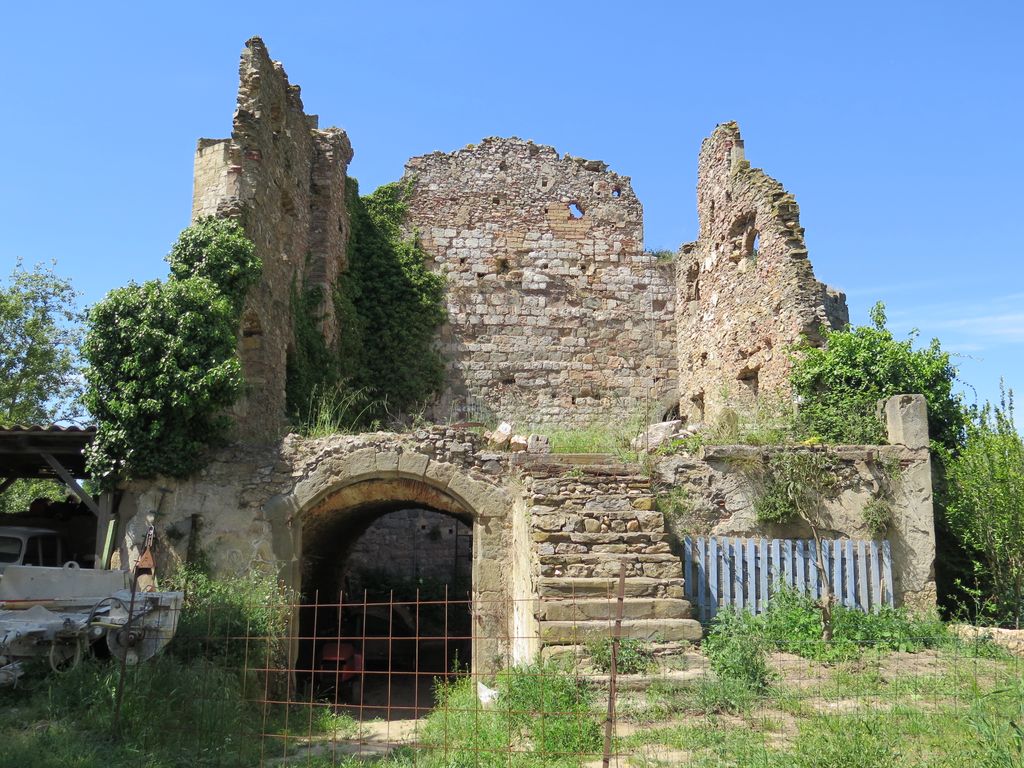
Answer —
(555, 312)
(285, 181)
(263, 508)
(716, 490)
(747, 291)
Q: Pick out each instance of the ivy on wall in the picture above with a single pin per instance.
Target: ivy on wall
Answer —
(389, 306)
(162, 357)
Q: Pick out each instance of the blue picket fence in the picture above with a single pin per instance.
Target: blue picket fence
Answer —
(724, 571)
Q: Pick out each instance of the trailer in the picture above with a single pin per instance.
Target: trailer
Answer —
(58, 615)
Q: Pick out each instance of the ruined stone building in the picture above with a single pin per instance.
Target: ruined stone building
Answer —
(555, 315)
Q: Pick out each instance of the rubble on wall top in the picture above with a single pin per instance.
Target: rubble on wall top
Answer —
(493, 145)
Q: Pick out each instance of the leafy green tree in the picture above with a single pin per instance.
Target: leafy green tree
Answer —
(162, 357)
(39, 330)
(986, 504)
(839, 384)
(218, 250)
(39, 378)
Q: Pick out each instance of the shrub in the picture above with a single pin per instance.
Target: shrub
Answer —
(794, 486)
(218, 250)
(792, 623)
(840, 383)
(736, 650)
(162, 357)
(162, 370)
(635, 656)
(230, 619)
(987, 505)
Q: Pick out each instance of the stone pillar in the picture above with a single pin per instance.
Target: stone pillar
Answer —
(906, 420)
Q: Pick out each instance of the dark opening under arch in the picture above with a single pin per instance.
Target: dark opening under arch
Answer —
(386, 582)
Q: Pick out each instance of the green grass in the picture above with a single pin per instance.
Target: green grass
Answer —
(596, 438)
(961, 716)
(176, 714)
(635, 657)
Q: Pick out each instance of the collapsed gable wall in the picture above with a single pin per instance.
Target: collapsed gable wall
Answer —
(747, 291)
(552, 316)
(285, 181)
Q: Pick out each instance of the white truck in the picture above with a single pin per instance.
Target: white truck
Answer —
(22, 545)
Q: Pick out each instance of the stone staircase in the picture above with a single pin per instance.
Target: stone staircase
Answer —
(590, 514)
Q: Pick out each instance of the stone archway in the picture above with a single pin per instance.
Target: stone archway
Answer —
(349, 489)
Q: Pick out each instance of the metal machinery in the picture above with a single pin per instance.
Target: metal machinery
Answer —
(58, 614)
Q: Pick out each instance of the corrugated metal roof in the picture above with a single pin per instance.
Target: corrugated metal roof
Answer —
(47, 428)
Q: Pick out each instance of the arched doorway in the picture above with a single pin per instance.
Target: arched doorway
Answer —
(386, 578)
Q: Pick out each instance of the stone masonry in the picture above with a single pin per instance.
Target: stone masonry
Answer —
(555, 312)
(747, 292)
(556, 315)
(285, 181)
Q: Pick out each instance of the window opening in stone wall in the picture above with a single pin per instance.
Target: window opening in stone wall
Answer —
(616, 192)
(748, 379)
(575, 212)
(751, 243)
(403, 622)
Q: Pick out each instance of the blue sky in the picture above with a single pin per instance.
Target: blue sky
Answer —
(896, 125)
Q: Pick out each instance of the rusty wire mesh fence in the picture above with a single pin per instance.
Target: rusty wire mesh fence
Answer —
(419, 682)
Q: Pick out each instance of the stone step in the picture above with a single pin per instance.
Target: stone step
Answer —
(581, 653)
(583, 632)
(599, 557)
(637, 586)
(605, 564)
(624, 512)
(601, 542)
(593, 464)
(595, 609)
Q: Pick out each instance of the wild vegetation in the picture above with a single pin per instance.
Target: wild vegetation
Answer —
(39, 376)
(386, 364)
(986, 508)
(162, 357)
(839, 384)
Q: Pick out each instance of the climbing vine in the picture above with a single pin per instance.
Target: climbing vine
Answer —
(389, 306)
(162, 357)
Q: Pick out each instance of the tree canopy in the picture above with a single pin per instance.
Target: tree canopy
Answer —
(839, 384)
(162, 357)
(39, 328)
(986, 506)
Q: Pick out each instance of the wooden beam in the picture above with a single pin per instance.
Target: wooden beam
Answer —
(71, 483)
(103, 529)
